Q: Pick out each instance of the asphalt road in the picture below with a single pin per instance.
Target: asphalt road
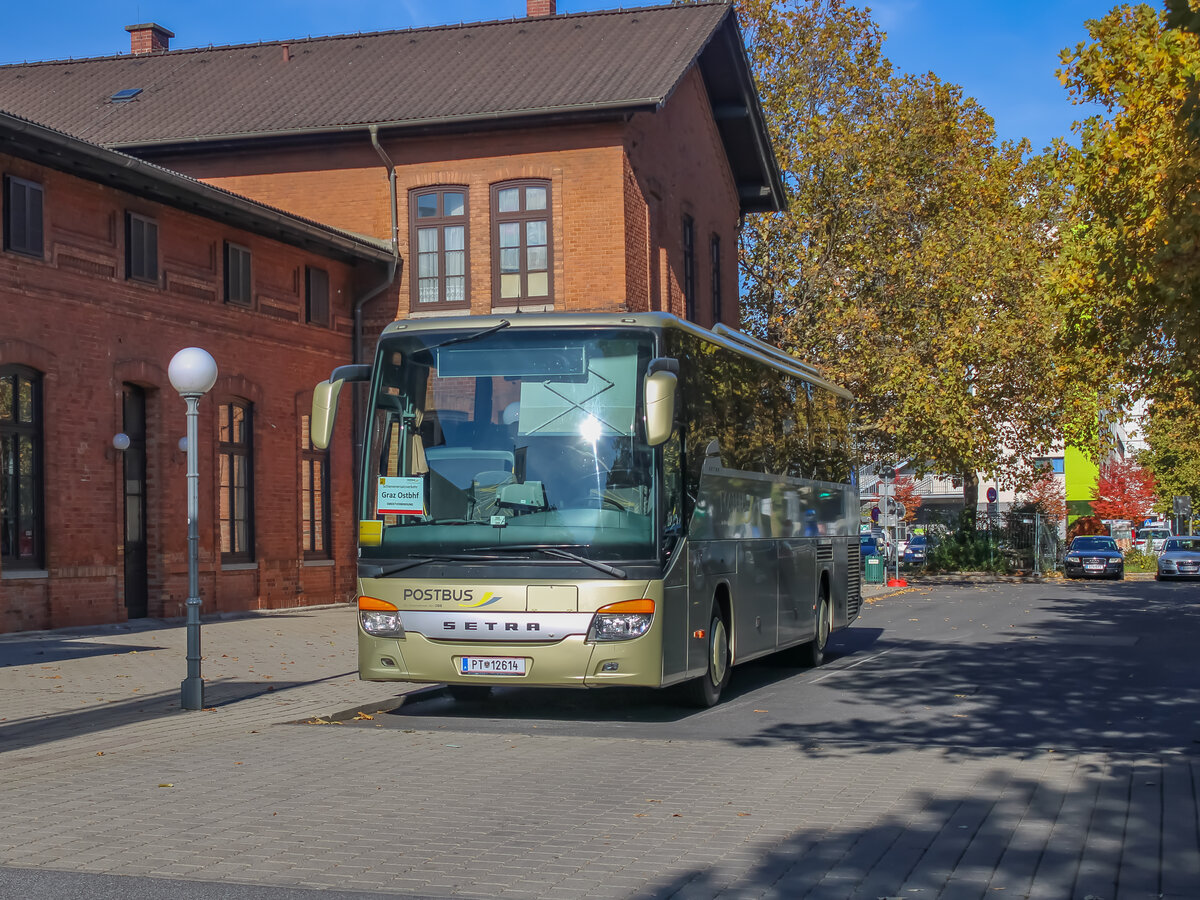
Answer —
(1077, 665)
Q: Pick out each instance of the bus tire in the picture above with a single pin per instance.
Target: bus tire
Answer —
(812, 653)
(469, 693)
(705, 691)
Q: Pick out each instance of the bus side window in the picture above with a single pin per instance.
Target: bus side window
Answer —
(673, 497)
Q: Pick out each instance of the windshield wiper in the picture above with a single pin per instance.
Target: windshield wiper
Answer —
(367, 570)
(503, 323)
(559, 553)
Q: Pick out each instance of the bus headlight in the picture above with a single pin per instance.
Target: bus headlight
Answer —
(379, 618)
(621, 621)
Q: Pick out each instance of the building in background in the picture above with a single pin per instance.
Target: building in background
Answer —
(109, 266)
(212, 196)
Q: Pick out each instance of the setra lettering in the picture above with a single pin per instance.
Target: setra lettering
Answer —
(450, 625)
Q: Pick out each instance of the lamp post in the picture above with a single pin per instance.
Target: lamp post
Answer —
(192, 372)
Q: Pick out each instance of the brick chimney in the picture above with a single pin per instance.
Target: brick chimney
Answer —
(148, 38)
(539, 8)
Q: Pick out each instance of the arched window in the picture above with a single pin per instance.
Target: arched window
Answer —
(522, 251)
(438, 244)
(235, 448)
(314, 496)
(22, 524)
(689, 268)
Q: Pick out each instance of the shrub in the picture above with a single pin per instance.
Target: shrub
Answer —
(1140, 561)
(966, 550)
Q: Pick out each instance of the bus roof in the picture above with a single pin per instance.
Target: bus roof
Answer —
(721, 335)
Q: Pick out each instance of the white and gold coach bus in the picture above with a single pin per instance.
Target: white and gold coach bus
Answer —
(591, 500)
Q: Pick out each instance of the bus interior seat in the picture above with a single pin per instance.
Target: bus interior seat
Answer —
(461, 465)
(528, 495)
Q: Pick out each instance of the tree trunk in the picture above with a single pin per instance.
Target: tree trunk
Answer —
(970, 499)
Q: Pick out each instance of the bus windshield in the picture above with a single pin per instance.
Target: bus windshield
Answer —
(509, 439)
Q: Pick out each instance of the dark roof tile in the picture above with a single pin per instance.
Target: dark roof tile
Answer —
(562, 63)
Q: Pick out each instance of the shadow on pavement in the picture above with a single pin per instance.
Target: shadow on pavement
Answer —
(31, 648)
(1111, 671)
(100, 715)
(524, 708)
(1017, 838)
(59, 649)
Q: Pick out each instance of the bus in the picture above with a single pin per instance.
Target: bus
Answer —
(587, 501)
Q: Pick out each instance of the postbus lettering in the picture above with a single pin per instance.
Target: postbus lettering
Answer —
(435, 595)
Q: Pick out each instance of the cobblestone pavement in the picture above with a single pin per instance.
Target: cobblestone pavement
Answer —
(101, 772)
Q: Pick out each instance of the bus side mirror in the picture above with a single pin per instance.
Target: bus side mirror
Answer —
(324, 413)
(660, 406)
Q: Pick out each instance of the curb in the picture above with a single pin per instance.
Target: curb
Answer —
(416, 695)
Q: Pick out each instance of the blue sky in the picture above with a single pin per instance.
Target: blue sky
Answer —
(1003, 52)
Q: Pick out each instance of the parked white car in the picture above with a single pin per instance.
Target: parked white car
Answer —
(1151, 539)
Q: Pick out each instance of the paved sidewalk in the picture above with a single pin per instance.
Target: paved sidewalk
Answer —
(102, 775)
(282, 664)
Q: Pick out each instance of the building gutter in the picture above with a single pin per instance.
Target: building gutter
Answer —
(389, 279)
(394, 265)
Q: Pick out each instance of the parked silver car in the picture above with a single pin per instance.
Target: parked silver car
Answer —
(1180, 558)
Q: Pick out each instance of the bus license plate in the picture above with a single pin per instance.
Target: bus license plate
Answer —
(492, 665)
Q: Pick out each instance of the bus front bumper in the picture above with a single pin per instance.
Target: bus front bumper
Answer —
(570, 662)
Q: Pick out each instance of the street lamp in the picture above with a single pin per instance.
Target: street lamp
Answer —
(192, 372)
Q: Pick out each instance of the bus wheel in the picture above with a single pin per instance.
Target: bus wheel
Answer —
(706, 690)
(812, 654)
(469, 693)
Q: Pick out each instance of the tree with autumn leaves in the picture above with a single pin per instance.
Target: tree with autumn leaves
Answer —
(1124, 490)
(908, 263)
(979, 300)
(1045, 496)
(905, 493)
(1129, 272)
(1128, 277)
(1173, 439)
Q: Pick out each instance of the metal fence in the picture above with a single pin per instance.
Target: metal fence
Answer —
(1011, 542)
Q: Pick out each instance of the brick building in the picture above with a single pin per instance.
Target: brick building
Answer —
(109, 266)
(593, 161)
